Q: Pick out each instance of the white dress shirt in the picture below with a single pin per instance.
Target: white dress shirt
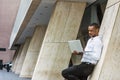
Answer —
(92, 51)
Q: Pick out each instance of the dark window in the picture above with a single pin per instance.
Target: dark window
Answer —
(2, 49)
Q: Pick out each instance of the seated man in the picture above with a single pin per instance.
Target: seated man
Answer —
(91, 55)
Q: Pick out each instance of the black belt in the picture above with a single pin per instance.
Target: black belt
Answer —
(88, 63)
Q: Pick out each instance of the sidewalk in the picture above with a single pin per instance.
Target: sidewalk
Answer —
(4, 75)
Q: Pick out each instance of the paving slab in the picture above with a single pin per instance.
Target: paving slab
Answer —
(4, 75)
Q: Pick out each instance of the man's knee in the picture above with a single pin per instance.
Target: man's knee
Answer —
(65, 73)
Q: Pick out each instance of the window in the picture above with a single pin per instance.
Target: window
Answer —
(2, 49)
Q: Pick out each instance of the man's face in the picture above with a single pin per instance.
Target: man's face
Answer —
(92, 31)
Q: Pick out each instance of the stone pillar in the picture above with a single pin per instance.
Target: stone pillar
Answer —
(22, 56)
(14, 59)
(32, 52)
(108, 67)
(55, 53)
(17, 58)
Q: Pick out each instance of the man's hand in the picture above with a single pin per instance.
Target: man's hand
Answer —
(77, 53)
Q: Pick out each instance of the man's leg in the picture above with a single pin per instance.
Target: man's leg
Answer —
(83, 78)
(70, 73)
(78, 72)
(87, 70)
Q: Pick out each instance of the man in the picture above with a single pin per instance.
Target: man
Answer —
(91, 55)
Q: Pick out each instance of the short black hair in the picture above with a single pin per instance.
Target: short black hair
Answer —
(96, 25)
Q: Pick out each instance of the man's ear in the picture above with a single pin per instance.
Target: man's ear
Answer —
(97, 30)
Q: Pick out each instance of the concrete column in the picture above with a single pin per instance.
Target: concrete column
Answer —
(17, 58)
(22, 56)
(55, 53)
(112, 2)
(14, 59)
(32, 52)
(108, 67)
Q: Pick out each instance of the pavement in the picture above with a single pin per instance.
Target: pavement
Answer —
(4, 75)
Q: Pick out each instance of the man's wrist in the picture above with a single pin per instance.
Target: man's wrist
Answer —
(80, 53)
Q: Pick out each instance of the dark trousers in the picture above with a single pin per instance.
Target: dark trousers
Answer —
(78, 72)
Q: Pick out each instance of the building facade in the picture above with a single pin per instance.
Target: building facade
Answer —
(8, 12)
